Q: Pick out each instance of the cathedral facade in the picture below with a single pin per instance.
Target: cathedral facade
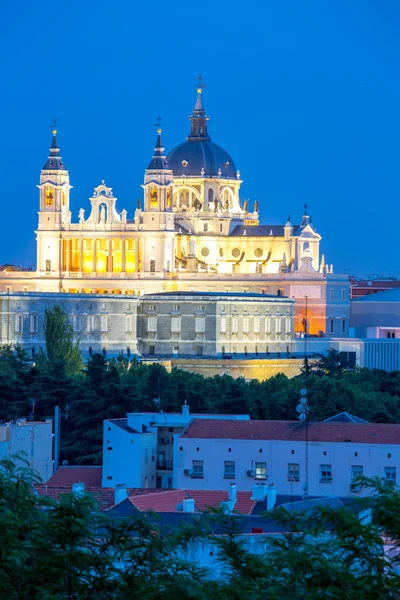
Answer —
(190, 233)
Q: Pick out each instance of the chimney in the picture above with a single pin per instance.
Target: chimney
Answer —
(120, 493)
(134, 420)
(78, 489)
(188, 505)
(259, 491)
(232, 492)
(185, 409)
(271, 496)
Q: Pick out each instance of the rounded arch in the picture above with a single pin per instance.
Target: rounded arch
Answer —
(226, 194)
(185, 195)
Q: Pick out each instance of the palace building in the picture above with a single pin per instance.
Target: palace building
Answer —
(191, 233)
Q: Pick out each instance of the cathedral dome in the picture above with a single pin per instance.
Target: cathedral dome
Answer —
(199, 156)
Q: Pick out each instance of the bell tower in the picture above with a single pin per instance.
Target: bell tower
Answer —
(157, 219)
(54, 213)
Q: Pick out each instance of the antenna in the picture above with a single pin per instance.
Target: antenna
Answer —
(303, 409)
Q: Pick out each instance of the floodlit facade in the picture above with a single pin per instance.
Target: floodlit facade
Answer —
(191, 232)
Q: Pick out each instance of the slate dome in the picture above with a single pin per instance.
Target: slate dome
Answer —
(198, 155)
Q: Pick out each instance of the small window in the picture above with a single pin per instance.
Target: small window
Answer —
(103, 323)
(390, 474)
(245, 324)
(356, 472)
(197, 468)
(200, 307)
(152, 307)
(261, 470)
(109, 477)
(109, 448)
(152, 350)
(205, 229)
(326, 473)
(33, 324)
(331, 294)
(223, 324)
(90, 351)
(128, 324)
(128, 351)
(200, 325)
(331, 325)
(235, 326)
(90, 323)
(152, 266)
(278, 325)
(199, 350)
(293, 471)
(48, 266)
(151, 324)
(343, 325)
(343, 294)
(229, 469)
(76, 323)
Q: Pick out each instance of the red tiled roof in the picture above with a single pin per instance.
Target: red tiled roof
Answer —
(168, 500)
(368, 433)
(105, 497)
(66, 476)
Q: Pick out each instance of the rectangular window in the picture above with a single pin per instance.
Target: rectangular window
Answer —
(152, 307)
(245, 324)
(128, 324)
(175, 325)
(343, 294)
(90, 323)
(390, 474)
(152, 350)
(293, 472)
(267, 325)
(278, 325)
(76, 323)
(48, 266)
(19, 321)
(331, 325)
(152, 266)
(90, 351)
(197, 468)
(235, 326)
(261, 470)
(151, 324)
(325, 472)
(200, 324)
(288, 324)
(223, 324)
(229, 469)
(343, 325)
(331, 294)
(200, 307)
(128, 351)
(103, 323)
(205, 227)
(199, 350)
(33, 324)
(356, 472)
(256, 324)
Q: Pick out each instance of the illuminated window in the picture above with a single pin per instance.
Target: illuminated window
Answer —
(293, 472)
(49, 197)
(261, 470)
(153, 198)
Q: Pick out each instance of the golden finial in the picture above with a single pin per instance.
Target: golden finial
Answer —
(158, 124)
(200, 85)
(53, 125)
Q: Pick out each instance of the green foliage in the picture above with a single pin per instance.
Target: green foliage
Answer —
(60, 345)
(68, 550)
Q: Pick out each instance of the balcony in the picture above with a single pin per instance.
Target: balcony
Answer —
(164, 465)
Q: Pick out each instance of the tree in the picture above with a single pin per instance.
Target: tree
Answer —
(60, 344)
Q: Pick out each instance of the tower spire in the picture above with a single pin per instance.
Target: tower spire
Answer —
(198, 118)
(158, 161)
(54, 161)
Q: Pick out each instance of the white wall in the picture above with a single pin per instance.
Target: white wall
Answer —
(277, 455)
(35, 439)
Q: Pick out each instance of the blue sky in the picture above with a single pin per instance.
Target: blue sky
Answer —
(305, 96)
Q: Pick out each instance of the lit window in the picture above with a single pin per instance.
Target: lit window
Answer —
(229, 469)
(356, 472)
(326, 473)
(197, 468)
(293, 472)
(390, 474)
(261, 470)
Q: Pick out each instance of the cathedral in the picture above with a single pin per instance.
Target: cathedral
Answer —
(191, 232)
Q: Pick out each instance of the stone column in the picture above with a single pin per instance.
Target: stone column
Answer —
(67, 255)
(94, 258)
(123, 259)
(136, 256)
(109, 258)
(80, 254)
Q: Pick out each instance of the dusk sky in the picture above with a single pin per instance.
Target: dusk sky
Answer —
(304, 95)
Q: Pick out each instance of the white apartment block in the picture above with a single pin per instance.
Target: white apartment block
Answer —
(277, 452)
(34, 439)
(140, 451)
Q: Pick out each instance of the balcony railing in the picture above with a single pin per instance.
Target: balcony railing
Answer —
(165, 465)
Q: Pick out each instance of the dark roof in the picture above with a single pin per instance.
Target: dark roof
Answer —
(344, 417)
(362, 433)
(54, 162)
(392, 295)
(200, 154)
(122, 424)
(67, 476)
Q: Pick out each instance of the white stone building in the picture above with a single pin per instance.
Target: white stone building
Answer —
(32, 438)
(277, 452)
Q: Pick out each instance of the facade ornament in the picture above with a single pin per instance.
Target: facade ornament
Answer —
(245, 205)
(238, 174)
(123, 215)
(81, 215)
(192, 245)
(216, 202)
(202, 171)
(226, 205)
(219, 172)
(256, 206)
(102, 214)
(138, 203)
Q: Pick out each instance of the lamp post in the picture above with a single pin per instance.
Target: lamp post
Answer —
(303, 409)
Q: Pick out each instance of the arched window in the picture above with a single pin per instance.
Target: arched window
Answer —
(154, 198)
(49, 197)
(306, 246)
(210, 196)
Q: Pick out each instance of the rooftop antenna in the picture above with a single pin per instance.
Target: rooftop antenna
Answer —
(303, 409)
